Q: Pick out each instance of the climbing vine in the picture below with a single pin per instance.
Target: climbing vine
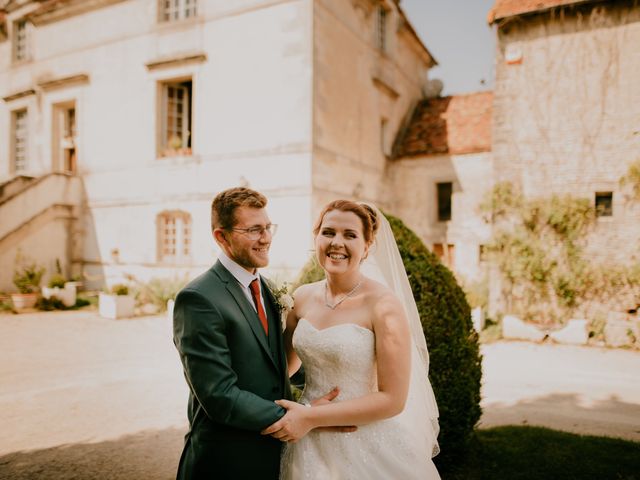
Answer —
(631, 179)
(539, 246)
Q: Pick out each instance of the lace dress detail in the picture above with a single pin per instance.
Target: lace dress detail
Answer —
(344, 356)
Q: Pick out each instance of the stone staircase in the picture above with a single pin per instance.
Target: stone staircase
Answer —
(39, 217)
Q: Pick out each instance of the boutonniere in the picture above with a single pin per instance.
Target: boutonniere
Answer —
(284, 301)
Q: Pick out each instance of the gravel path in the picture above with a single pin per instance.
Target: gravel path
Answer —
(83, 397)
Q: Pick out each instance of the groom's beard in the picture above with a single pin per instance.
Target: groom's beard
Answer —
(251, 257)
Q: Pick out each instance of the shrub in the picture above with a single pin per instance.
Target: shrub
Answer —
(48, 304)
(57, 280)
(27, 275)
(158, 291)
(540, 247)
(120, 289)
(455, 362)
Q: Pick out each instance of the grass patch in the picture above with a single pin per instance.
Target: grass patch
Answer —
(534, 453)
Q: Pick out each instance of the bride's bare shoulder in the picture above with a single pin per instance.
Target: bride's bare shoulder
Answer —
(306, 291)
(382, 300)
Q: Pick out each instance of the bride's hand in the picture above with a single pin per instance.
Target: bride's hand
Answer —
(293, 426)
(325, 400)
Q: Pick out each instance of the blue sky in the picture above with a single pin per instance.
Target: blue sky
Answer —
(457, 35)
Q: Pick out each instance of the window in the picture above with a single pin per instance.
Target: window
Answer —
(174, 237)
(381, 29)
(445, 190)
(19, 137)
(172, 10)
(20, 41)
(64, 141)
(446, 254)
(604, 204)
(483, 253)
(176, 118)
(384, 146)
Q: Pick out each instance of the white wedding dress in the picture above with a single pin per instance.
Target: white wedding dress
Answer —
(344, 356)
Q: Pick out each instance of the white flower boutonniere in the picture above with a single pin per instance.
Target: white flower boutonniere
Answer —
(284, 301)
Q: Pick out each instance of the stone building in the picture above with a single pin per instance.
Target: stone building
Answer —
(564, 117)
(443, 164)
(120, 119)
(566, 111)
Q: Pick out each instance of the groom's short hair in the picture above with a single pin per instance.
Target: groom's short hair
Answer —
(226, 202)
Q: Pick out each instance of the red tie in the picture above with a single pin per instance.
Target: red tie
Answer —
(255, 291)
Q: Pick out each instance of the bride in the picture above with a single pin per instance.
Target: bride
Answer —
(358, 330)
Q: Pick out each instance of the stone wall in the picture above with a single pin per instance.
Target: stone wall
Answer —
(357, 86)
(566, 109)
(471, 175)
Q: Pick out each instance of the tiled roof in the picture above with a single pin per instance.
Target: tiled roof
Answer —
(448, 125)
(511, 8)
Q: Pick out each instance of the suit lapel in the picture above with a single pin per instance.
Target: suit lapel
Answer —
(275, 325)
(234, 288)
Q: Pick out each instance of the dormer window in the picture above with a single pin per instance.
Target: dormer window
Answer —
(176, 10)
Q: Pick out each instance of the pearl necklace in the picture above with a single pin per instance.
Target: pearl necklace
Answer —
(346, 295)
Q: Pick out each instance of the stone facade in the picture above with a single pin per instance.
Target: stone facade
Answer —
(363, 95)
(567, 104)
(447, 141)
(566, 116)
(285, 96)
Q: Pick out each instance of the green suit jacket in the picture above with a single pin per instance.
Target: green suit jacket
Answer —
(234, 372)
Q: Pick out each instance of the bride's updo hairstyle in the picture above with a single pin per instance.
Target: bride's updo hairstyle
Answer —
(366, 214)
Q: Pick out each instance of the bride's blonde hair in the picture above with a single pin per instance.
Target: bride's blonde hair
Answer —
(366, 214)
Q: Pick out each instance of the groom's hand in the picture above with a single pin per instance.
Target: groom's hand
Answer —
(325, 400)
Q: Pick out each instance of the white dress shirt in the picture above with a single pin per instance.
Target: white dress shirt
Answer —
(243, 277)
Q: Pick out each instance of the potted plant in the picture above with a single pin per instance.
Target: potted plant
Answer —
(176, 147)
(117, 303)
(61, 289)
(26, 278)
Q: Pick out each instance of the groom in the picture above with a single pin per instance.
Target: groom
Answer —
(228, 333)
(227, 330)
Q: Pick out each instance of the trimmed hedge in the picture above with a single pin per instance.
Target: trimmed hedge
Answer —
(455, 367)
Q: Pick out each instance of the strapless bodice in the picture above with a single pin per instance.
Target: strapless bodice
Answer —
(340, 356)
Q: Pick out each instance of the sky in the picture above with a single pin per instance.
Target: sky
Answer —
(458, 36)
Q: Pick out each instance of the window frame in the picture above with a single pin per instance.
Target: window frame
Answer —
(19, 165)
(181, 237)
(446, 253)
(607, 210)
(381, 29)
(170, 11)
(384, 134)
(175, 123)
(20, 41)
(440, 209)
(65, 137)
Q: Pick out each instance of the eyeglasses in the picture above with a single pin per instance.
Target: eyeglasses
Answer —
(255, 233)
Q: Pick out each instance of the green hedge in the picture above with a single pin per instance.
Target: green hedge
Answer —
(455, 362)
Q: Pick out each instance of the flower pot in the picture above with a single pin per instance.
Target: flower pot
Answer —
(66, 295)
(116, 306)
(23, 301)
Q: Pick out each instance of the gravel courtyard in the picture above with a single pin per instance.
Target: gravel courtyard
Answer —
(83, 397)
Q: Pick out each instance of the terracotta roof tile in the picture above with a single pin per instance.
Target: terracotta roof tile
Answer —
(511, 8)
(448, 125)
